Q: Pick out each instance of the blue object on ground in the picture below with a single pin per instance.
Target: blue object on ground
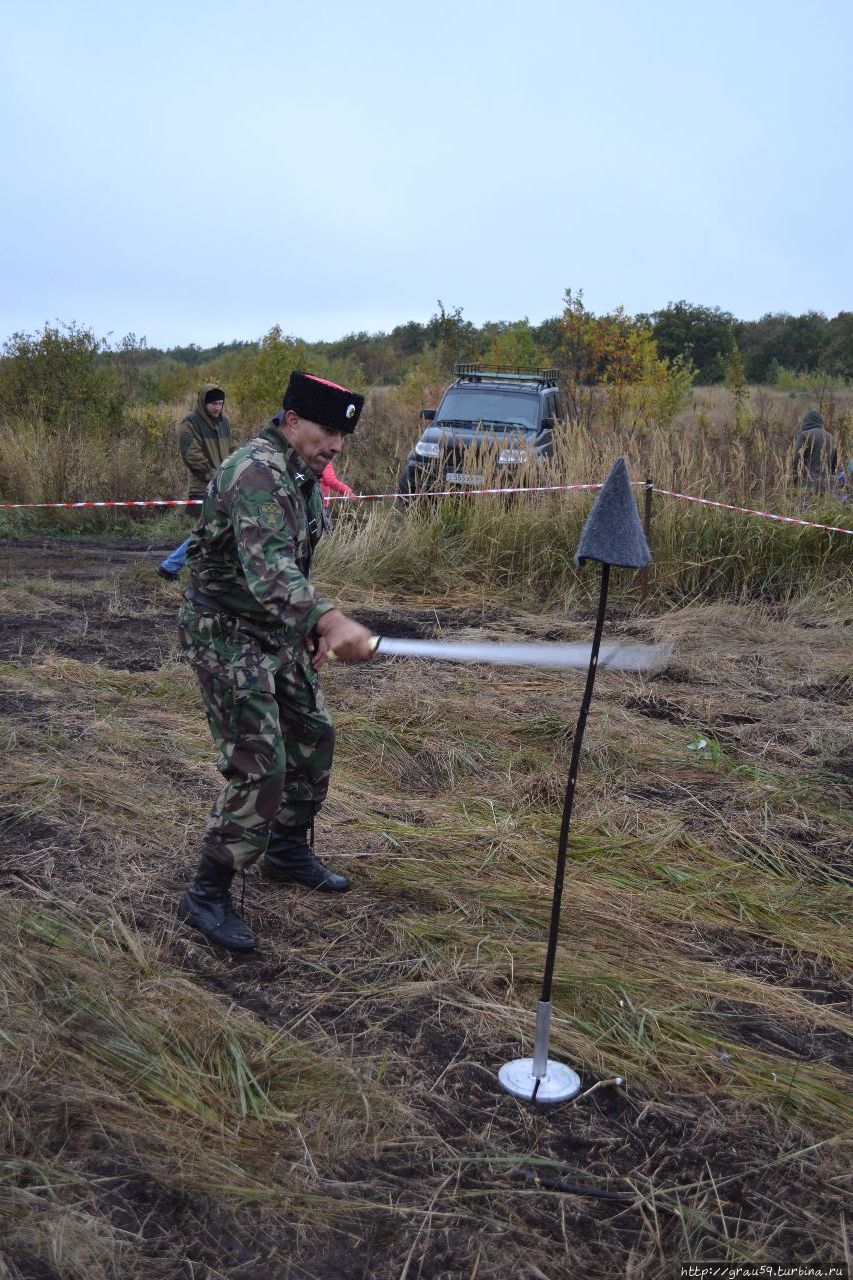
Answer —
(175, 562)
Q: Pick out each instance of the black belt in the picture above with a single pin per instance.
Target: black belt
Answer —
(273, 635)
(201, 598)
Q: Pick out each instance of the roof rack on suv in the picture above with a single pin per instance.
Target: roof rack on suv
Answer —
(505, 373)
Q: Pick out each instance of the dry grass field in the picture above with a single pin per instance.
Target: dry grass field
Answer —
(328, 1108)
(705, 450)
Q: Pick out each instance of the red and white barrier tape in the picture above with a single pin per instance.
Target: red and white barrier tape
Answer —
(333, 497)
(751, 511)
(454, 493)
(442, 493)
(137, 502)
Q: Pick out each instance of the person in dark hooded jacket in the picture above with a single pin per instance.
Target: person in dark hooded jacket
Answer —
(815, 455)
(204, 441)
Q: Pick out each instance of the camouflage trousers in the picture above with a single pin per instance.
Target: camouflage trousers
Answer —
(269, 721)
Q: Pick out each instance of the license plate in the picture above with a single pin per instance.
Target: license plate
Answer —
(463, 477)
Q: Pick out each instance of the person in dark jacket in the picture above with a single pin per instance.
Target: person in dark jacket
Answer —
(204, 441)
(815, 455)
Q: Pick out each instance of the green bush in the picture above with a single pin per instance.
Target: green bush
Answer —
(57, 377)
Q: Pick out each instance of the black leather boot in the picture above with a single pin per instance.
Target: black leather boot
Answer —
(207, 906)
(290, 858)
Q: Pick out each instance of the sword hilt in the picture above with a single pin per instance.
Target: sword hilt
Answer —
(374, 645)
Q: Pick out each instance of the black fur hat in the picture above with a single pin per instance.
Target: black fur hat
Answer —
(323, 402)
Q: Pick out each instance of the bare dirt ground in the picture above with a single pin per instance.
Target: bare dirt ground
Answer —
(704, 956)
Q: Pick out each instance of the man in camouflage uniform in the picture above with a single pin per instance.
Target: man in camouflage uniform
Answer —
(256, 632)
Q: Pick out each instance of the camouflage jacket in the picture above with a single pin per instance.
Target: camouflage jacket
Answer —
(203, 444)
(251, 550)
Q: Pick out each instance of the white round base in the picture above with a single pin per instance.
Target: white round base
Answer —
(557, 1085)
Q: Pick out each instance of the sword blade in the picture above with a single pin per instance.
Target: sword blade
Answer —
(616, 657)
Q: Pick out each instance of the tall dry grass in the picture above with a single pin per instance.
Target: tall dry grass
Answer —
(521, 547)
(703, 449)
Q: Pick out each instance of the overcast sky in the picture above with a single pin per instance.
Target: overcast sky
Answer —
(197, 172)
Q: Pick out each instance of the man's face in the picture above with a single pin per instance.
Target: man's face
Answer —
(316, 445)
(214, 408)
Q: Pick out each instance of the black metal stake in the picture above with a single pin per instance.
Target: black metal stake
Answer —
(612, 535)
(568, 805)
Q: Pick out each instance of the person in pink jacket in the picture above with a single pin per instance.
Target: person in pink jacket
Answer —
(329, 483)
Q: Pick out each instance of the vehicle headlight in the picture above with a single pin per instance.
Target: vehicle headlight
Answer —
(426, 449)
(512, 456)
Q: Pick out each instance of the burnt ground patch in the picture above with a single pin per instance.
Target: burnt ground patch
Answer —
(136, 630)
(428, 624)
(659, 708)
(164, 1234)
(34, 848)
(807, 974)
(25, 833)
(122, 622)
(74, 560)
(761, 957)
(737, 1021)
(88, 633)
(842, 766)
(401, 627)
(19, 705)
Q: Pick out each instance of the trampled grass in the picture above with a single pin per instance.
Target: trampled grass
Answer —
(332, 1102)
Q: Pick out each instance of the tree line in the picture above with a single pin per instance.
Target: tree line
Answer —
(811, 343)
(65, 373)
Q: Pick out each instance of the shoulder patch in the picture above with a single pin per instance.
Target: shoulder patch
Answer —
(270, 515)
